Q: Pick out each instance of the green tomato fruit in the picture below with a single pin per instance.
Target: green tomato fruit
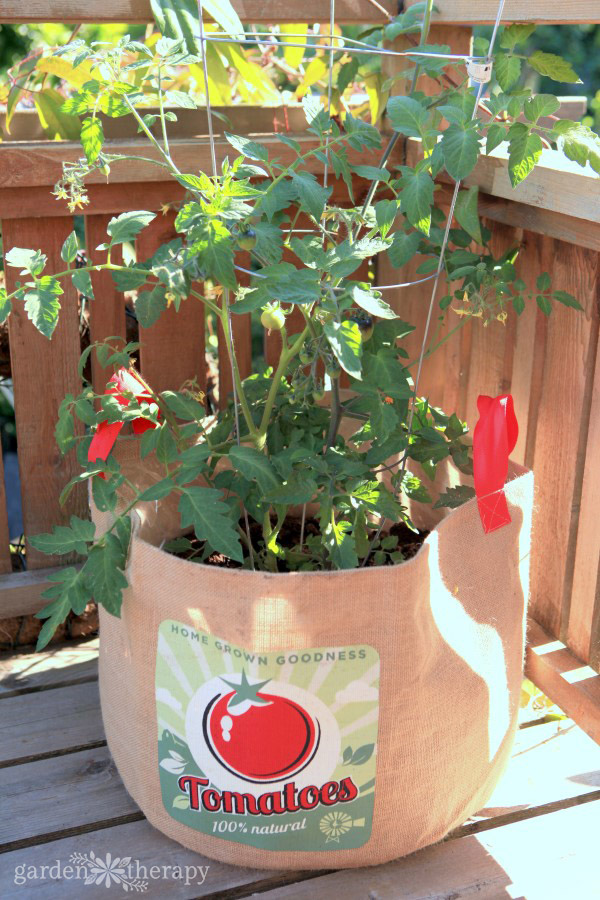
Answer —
(272, 318)
(318, 396)
(333, 368)
(247, 239)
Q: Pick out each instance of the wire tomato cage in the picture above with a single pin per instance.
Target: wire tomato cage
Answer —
(479, 69)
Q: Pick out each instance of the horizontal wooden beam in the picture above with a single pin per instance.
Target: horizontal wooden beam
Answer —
(556, 183)
(37, 163)
(569, 682)
(272, 12)
(25, 124)
(542, 221)
(21, 592)
(483, 12)
(268, 12)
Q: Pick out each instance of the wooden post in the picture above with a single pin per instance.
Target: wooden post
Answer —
(107, 309)
(43, 372)
(172, 350)
(412, 303)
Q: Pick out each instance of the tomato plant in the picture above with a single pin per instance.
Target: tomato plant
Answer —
(239, 475)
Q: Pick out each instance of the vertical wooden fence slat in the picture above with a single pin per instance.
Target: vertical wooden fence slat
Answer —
(561, 434)
(5, 563)
(529, 345)
(412, 303)
(172, 350)
(107, 309)
(586, 585)
(43, 372)
(489, 344)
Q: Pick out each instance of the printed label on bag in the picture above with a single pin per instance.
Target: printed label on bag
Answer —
(275, 750)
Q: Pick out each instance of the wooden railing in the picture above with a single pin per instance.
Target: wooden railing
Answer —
(551, 365)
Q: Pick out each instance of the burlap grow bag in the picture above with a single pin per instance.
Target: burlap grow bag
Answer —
(319, 719)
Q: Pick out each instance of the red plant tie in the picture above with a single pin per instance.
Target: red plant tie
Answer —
(494, 440)
(125, 380)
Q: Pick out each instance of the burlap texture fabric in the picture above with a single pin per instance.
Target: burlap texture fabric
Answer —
(449, 628)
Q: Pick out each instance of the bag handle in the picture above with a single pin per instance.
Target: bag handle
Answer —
(494, 440)
(125, 381)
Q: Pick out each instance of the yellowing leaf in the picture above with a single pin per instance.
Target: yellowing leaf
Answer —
(219, 88)
(294, 55)
(315, 71)
(56, 123)
(253, 83)
(62, 68)
(377, 97)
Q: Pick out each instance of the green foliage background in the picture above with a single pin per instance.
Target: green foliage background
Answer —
(580, 44)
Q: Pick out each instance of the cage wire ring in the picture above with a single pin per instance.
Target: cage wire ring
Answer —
(478, 68)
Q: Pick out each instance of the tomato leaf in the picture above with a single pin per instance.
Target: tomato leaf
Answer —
(404, 246)
(203, 508)
(372, 303)
(104, 568)
(416, 198)
(466, 213)
(42, 305)
(255, 466)
(454, 497)
(72, 538)
(407, 116)
(554, 67)
(68, 592)
(460, 148)
(525, 150)
(566, 299)
(507, 70)
(345, 341)
(53, 117)
(150, 305)
(92, 138)
(69, 248)
(248, 148)
(129, 224)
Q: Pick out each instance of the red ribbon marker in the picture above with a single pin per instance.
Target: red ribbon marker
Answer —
(125, 380)
(494, 440)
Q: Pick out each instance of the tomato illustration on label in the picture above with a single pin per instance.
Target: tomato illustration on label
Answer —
(276, 749)
(259, 736)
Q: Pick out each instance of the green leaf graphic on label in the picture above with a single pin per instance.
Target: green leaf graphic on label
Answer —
(363, 754)
(250, 743)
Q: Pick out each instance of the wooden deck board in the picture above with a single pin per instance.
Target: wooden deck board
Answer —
(42, 723)
(145, 845)
(67, 800)
(53, 667)
(53, 795)
(537, 859)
